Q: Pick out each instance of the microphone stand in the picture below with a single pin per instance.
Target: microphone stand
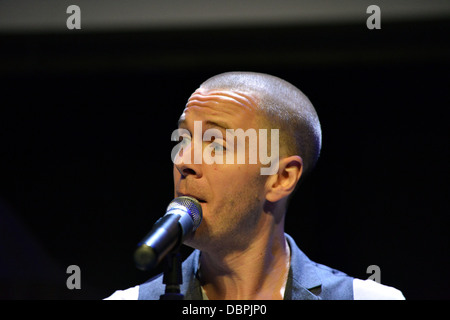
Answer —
(172, 277)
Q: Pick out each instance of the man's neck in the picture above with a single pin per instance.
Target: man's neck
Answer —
(258, 272)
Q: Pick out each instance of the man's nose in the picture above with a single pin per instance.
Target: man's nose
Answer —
(186, 162)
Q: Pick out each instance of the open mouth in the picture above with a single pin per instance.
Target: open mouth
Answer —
(196, 198)
(199, 200)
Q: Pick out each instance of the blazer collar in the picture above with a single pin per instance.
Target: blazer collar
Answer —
(303, 280)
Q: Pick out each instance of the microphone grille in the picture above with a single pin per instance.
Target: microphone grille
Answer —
(192, 205)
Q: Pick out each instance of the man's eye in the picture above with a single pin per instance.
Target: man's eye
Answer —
(217, 147)
(185, 140)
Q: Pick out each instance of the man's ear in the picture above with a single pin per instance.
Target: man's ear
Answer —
(282, 183)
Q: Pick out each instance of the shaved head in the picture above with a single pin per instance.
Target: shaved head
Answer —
(280, 106)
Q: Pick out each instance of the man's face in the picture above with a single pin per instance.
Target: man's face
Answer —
(231, 195)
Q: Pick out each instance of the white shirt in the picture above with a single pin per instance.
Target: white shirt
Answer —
(362, 290)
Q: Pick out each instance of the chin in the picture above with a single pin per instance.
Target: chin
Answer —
(200, 239)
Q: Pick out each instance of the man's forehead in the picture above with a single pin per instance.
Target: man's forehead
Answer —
(220, 102)
(209, 122)
(223, 96)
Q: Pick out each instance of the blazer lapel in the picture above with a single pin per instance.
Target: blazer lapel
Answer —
(303, 282)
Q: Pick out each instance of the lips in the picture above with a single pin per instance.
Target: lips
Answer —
(199, 199)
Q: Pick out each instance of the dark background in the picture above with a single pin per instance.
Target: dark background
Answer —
(85, 168)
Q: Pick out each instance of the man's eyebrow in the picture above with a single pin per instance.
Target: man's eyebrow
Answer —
(217, 124)
(208, 123)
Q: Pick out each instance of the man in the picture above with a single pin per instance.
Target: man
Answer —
(242, 251)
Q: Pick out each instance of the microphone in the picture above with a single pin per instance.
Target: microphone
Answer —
(183, 216)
